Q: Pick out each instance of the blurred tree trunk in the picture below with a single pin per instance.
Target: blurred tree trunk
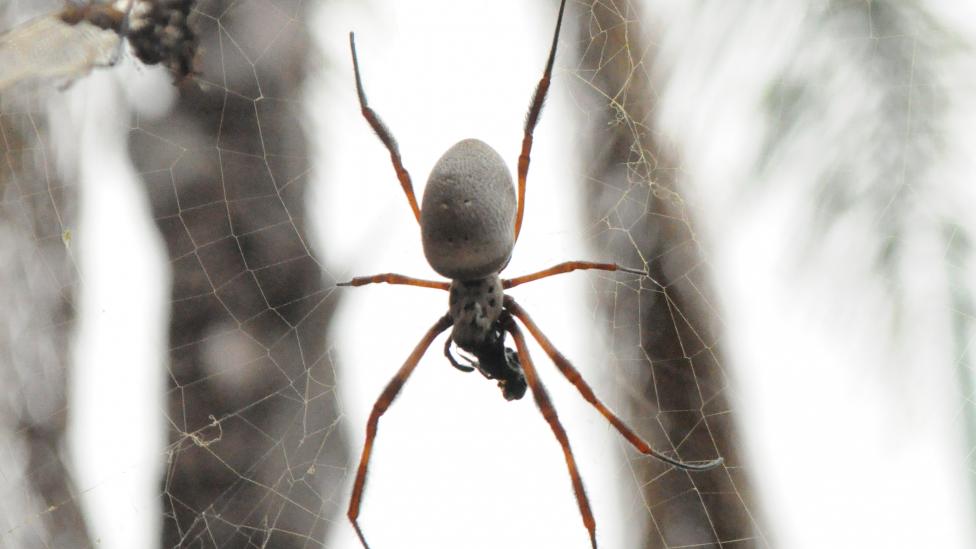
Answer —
(665, 338)
(850, 198)
(255, 456)
(38, 499)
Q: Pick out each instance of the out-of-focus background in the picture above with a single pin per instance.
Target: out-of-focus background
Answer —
(179, 368)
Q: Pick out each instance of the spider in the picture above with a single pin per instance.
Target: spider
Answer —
(469, 223)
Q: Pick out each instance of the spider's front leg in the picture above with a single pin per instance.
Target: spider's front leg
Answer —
(574, 377)
(379, 408)
(545, 406)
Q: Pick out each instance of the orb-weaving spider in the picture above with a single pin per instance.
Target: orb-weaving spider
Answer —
(469, 223)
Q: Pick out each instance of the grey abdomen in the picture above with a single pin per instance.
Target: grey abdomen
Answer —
(467, 216)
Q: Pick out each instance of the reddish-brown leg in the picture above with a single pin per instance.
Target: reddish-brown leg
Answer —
(379, 408)
(535, 109)
(393, 278)
(549, 412)
(384, 134)
(574, 377)
(567, 267)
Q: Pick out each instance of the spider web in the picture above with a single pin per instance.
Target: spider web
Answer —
(793, 178)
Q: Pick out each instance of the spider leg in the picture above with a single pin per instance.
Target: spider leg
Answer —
(549, 413)
(535, 109)
(454, 362)
(379, 408)
(383, 133)
(568, 267)
(574, 377)
(393, 278)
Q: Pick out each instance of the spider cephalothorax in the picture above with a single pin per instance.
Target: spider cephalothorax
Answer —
(469, 224)
(476, 309)
(475, 306)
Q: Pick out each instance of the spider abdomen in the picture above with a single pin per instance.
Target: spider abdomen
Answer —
(467, 216)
